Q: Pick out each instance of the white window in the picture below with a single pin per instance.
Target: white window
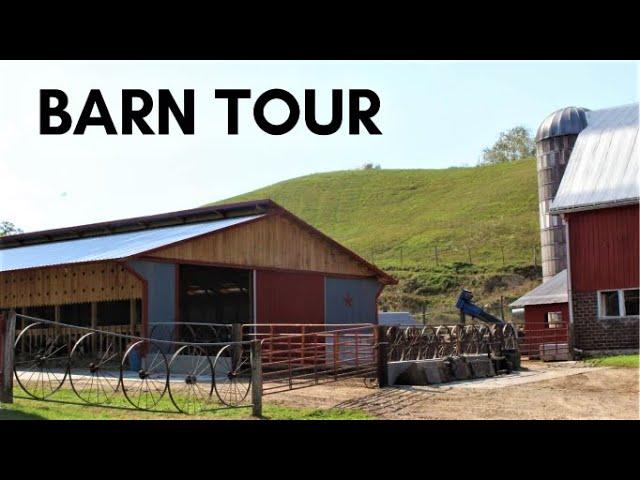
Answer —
(619, 303)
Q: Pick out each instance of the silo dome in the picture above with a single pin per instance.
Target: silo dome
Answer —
(566, 121)
(555, 139)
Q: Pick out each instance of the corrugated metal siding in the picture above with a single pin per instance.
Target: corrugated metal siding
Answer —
(351, 300)
(289, 297)
(108, 247)
(605, 162)
(604, 248)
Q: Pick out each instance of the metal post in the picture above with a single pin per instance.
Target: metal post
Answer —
(383, 374)
(133, 315)
(236, 349)
(502, 250)
(435, 249)
(8, 337)
(469, 254)
(256, 378)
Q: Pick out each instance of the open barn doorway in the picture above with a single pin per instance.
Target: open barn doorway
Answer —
(215, 295)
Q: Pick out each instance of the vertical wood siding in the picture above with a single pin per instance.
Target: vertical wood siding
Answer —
(604, 248)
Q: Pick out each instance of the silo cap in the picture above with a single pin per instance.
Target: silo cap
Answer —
(566, 121)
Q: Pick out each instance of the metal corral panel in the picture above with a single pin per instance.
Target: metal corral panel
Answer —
(604, 248)
(289, 297)
(108, 247)
(604, 165)
(351, 300)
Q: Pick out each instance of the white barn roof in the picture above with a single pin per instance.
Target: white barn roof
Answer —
(552, 291)
(604, 165)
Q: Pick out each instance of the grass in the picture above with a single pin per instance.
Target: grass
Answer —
(379, 212)
(396, 218)
(64, 405)
(627, 361)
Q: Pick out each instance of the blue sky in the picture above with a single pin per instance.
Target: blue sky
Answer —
(433, 115)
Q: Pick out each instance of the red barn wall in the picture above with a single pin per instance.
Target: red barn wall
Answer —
(604, 248)
(289, 297)
(535, 330)
(604, 254)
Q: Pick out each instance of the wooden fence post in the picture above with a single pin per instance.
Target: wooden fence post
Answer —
(256, 378)
(8, 338)
(382, 360)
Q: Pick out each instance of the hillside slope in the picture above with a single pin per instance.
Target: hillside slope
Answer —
(422, 225)
(378, 213)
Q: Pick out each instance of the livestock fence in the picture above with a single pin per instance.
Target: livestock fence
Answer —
(404, 256)
(197, 367)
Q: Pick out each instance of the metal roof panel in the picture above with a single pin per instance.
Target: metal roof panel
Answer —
(604, 165)
(552, 291)
(108, 247)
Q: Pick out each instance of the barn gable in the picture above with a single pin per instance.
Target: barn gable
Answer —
(277, 241)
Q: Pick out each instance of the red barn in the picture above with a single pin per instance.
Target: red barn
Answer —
(588, 163)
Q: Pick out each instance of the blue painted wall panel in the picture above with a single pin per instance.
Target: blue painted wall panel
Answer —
(350, 300)
(161, 298)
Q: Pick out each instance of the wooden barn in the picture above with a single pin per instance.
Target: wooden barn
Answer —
(596, 207)
(250, 262)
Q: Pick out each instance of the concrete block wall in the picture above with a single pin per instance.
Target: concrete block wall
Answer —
(593, 333)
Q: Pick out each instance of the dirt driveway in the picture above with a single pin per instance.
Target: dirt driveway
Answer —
(563, 390)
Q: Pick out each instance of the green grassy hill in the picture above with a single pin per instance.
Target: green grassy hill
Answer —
(429, 227)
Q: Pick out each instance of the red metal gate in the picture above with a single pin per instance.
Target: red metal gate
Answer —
(547, 341)
(302, 355)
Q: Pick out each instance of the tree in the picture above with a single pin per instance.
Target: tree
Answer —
(370, 166)
(512, 145)
(8, 228)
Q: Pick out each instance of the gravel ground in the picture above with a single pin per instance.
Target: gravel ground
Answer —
(562, 390)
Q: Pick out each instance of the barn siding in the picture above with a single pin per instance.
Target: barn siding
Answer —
(91, 282)
(536, 332)
(161, 289)
(289, 297)
(351, 300)
(273, 242)
(604, 248)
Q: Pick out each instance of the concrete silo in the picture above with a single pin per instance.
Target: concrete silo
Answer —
(554, 142)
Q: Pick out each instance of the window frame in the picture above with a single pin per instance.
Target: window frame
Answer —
(621, 306)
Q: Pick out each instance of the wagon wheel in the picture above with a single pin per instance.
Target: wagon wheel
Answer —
(40, 372)
(146, 388)
(510, 337)
(394, 338)
(496, 342)
(458, 339)
(484, 335)
(472, 335)
(411, 339)
(232, 379)
(443, 334)
(191, 390)
(94, 368)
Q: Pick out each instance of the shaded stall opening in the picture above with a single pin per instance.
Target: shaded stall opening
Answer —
(215, 295)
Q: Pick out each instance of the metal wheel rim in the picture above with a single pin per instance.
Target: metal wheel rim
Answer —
(241, 391)
(196, 399)
(97, 379)
(53, 386)
(146, 389)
